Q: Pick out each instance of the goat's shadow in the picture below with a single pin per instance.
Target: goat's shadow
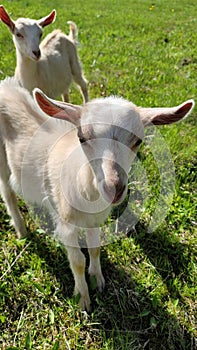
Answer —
(117, 310)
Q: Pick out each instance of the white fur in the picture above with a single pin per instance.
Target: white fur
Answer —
(48, 162)
(58, 64)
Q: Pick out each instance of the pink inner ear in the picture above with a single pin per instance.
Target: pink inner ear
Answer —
(48, 107)
(183, 110)
(48, 20)
(6, 19)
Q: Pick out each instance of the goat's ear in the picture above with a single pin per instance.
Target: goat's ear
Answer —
(6, 19)
(45, 21)
(162, 116)
(58, 109)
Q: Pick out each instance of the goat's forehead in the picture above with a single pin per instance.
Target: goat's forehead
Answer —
(27, 24)
(115, 117)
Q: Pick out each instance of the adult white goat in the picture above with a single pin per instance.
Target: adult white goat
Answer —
(76, 167)
(50, 65)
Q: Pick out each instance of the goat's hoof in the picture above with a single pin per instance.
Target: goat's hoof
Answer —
(83, 300)
(100, 281)
(84, 303)
(21, 233)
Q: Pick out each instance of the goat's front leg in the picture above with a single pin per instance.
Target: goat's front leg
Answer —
(93, 244)
(69, 236)
(77, 264)
(9, 196)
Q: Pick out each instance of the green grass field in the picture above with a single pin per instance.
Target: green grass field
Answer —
(146, 53)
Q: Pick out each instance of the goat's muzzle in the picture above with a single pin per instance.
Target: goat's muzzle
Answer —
(37, 54)
(114, 193)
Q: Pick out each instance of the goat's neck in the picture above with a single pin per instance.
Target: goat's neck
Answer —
(26, 70)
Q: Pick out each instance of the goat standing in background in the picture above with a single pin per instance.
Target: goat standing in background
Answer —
(50, 65)
(76, 167)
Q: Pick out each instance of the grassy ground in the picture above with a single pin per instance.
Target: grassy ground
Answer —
(146, 53)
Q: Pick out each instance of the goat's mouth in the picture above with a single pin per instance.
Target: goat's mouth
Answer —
(34, 59)
(118, 199)
(114, 195)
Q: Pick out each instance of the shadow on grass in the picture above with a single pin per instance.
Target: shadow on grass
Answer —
(55, 259)
(126, 311)
(135, 313)
(168, 255)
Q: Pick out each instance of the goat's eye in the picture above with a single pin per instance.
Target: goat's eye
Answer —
(19, 35)
(82, 139)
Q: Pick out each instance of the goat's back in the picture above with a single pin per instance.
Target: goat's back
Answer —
(17, 108)
(58, 56)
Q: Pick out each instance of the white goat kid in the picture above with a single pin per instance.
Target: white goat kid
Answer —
(76, 167)
(50, 65)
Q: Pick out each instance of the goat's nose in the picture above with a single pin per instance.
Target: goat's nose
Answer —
(37, 53)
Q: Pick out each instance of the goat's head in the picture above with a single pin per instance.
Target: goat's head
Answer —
(27, 32)
(110, 131)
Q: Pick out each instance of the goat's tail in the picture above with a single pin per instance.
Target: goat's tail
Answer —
(73, 34)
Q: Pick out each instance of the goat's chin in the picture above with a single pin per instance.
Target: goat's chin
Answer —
(34, 58)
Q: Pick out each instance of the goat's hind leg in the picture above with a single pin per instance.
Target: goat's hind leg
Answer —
(80, 79)
(81, 82)
(9, 196)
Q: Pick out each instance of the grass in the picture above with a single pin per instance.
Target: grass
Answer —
(146, 53)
